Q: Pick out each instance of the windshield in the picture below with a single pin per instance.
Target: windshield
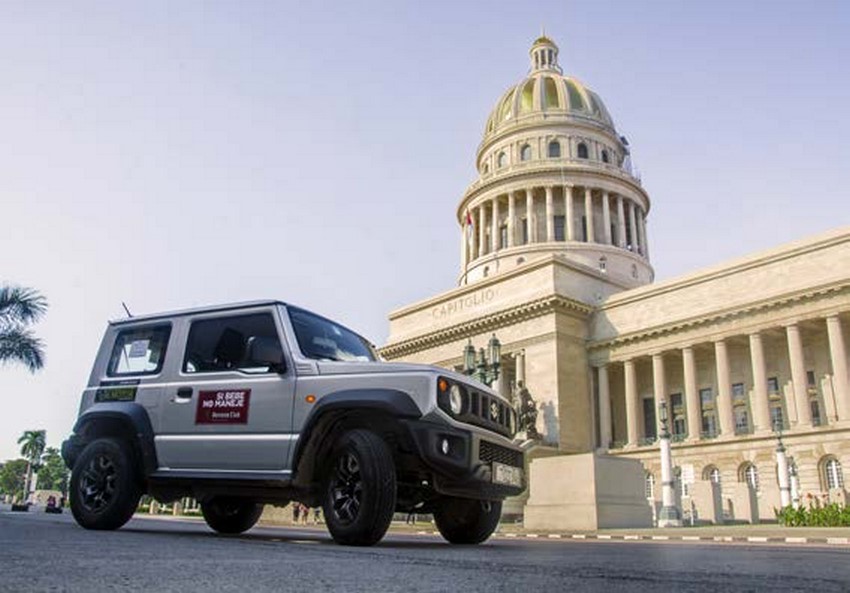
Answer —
(322, 339)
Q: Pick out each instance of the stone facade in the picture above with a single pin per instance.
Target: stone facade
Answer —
(555, 262)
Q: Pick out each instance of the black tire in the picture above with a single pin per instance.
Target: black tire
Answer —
(104, 490)
(231, 515)
(467, 521)
(360, 489)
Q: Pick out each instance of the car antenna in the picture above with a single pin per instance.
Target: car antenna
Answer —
(123, 304)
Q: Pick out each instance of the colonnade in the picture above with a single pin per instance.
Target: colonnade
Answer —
(623, 221)
(799, 407)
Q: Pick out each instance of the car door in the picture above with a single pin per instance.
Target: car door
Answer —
(225, 411)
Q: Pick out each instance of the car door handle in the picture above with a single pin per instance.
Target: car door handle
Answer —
(184, 394)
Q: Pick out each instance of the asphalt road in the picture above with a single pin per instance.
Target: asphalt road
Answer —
(40, 552)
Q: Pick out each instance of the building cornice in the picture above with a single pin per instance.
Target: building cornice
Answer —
(486, 323)
(720, 316)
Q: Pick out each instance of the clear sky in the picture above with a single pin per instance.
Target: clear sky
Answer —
(172, 154)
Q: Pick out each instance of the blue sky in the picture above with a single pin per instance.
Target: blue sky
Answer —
(174, 154)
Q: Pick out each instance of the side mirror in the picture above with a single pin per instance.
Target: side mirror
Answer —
(265, 352)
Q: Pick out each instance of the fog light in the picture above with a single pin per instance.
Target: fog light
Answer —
(444, 446)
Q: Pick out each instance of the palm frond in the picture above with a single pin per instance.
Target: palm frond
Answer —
(19, 304)
(20, 345)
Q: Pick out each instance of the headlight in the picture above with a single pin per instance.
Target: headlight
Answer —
(456, 399)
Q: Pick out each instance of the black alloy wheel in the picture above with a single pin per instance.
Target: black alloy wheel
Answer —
(346, 488)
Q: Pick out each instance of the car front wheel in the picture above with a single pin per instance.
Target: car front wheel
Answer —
(360, 489)
(231, 515)
(467, 521)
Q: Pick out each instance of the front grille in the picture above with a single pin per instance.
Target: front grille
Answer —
(490, 452)
(488, 412)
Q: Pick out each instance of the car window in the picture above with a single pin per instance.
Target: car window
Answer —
(229, 343)
(322, 339)
(139, 351)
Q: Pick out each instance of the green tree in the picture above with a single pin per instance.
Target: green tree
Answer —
(53, 474)
(32, 444)
(12, 474)
(20, 307)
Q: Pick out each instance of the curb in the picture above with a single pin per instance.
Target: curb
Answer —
(831, 541)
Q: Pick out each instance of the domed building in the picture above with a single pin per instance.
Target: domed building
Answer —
(555, 262)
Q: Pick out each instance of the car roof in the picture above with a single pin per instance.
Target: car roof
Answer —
(195, 310)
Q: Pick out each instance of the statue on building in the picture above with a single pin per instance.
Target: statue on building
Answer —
(527, 412)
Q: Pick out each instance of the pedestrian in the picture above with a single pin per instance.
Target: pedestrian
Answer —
(305, 513)
(317, 515)
(296, 510)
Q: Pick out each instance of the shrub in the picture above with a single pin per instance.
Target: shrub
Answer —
(814, 514)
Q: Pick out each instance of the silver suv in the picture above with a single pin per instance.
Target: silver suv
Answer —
(265, 403)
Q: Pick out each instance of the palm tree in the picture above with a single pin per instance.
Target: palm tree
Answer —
(19, 307)
(32, 447)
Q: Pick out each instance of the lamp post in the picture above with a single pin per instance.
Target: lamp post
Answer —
(670, 516)
(782, 467)
(795, 483)
(484, 368)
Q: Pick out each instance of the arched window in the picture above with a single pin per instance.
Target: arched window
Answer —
(525, 153)
(649, 486)
(605, 158)
(603, 264)
(554, 149)
(749, 474)
(501, 159)
(711, 473)
(832, 475)
(582, 150)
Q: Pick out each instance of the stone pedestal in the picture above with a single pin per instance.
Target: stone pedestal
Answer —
(744, 503)
(513, 507)
(586, 492)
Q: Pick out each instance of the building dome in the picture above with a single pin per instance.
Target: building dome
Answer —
(555, 179)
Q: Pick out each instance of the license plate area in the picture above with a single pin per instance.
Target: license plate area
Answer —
(507, 474)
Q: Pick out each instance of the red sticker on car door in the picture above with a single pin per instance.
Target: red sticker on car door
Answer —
(227, 406)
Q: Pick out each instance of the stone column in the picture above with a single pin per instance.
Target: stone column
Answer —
(520, 368)
(606, 218)
(588, 213)
(494, 233)
(633, 226)
(621, 222)
(482, 236)
(659, 384)
(512, 219)
(723, 403)
(631, 403)
(570, 222)
(638, 220)
(604, 409)
(643, 242)
(464, 243)
(838, 355)
(550, 216)
(798, 375)
(692, 408)
(761, 411)
(529, 214)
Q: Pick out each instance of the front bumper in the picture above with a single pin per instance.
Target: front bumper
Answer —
(466, 470)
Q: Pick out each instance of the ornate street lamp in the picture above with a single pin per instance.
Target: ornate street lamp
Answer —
(486, 368)
(783, 475)
(670, 515)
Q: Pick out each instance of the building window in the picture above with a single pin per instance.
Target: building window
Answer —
(525, 153)
(500, 161)
(486, 271)
(709, 418)
(486, 168)
(582, 150)
(649, 486)
(584, 228)
(649, 423)
(560, 222)
(503, 236)
(750, 475)
(773, 386)
(554, 149)
(814, 398)
(634, 271)
(833, 477)
(524, 227)
(740, 409)
(603, 264)
(712, 474)
(777, 418)
(677, 409)
(605, 156)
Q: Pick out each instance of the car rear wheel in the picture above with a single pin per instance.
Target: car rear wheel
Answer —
(467, 521)
(231, 515)
(360, 489)
(104, 489)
